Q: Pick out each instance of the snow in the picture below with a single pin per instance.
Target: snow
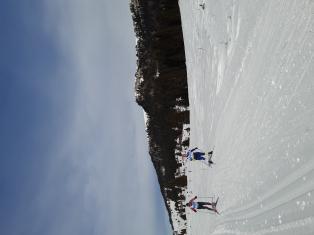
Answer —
(178, 222)
(251, 84)
(145, 119)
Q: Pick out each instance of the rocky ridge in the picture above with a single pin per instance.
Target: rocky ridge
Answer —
(162, 91)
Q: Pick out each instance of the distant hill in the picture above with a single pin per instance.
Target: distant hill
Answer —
(161, 89)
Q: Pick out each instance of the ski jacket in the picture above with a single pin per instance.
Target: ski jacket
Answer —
(189, 155)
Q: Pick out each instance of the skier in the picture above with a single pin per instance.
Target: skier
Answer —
(194, 206)
(197, 154)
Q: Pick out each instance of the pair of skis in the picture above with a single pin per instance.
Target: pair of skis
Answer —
(209, 162)
(215, 206)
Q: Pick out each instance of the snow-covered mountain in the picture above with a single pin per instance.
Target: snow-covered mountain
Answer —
(250, 79)
(161, 89)
(251, 84)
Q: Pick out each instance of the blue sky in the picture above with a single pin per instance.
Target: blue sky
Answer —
(73, 149)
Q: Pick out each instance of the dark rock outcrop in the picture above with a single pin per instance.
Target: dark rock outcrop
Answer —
(161, 89)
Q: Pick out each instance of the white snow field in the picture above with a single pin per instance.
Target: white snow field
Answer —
(251, 87)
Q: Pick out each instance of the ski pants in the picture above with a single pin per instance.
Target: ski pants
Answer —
(202, 205)
(199, 156)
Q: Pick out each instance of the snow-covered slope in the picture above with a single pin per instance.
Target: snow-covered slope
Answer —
(251, 89)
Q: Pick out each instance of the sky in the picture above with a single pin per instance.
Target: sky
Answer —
(73, 149)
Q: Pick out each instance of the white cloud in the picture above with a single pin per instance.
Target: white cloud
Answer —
(100, 177)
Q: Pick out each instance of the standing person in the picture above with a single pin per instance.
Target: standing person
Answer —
(194, 206)
(197, 154)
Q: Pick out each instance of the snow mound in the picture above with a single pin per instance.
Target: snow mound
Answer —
(251, 84)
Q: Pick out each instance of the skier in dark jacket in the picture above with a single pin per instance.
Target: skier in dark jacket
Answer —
(194, 206)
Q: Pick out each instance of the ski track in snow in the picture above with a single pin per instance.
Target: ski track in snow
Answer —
(251, 84)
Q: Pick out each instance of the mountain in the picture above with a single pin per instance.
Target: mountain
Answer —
(161, 90)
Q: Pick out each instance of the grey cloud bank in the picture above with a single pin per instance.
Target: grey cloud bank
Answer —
(96, 176)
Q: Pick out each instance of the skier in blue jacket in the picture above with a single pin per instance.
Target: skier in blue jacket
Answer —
(197, 154)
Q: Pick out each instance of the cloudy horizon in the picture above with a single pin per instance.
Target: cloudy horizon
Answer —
(74, 149)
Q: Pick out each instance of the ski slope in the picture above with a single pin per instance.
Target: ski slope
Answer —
(251, 88)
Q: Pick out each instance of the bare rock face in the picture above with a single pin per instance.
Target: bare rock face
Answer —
(161, 89)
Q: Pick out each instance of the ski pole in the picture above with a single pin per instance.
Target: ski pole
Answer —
(205, 212)
(205, 164)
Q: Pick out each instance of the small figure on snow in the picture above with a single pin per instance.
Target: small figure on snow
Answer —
(194, 206)
(202, 6)
(197, 154)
